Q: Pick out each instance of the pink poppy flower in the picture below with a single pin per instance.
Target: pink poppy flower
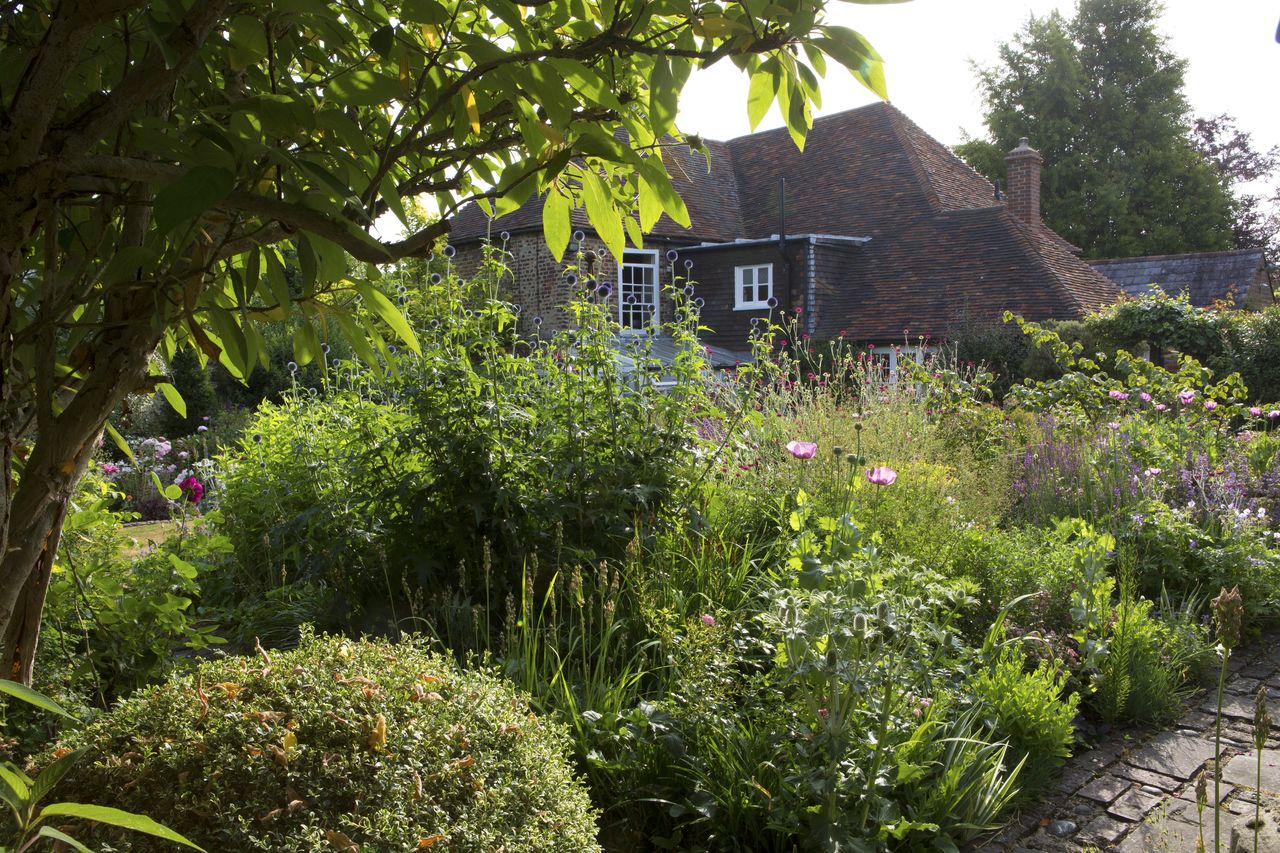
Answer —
(1117, 395)
(881, 476)
(1144, 397)
(1210, 405)
(802, 449)
(1161, 407)
(1255, 411)
(1273, 414)
(1186, 396)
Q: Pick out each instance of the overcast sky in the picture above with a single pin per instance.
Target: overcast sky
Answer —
(1234, 64)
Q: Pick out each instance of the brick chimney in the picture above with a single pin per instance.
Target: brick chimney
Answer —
(1023, 167)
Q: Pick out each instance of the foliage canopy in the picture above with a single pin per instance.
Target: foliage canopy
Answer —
(1100, 96)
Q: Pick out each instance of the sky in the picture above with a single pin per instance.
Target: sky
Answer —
(928, 47)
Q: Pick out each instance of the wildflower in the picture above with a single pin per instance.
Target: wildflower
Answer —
(1186, 396)
(1273, 414)
(1210, 405)
(1255, 411)
(881, 476)
(1117, 395)
(802, 449)
(1113, 425)
(1144, 397)
(708, 620)
(1161, 407)
(202, 428)
(1151, 472)
(109, 468)
(1228, 613)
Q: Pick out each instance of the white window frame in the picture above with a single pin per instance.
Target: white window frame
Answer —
(739, 304)
(918, 354)
(655, 321)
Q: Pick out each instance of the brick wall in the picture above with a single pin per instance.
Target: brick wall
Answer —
(536, 283)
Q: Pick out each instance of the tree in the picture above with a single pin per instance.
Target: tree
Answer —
(1244, 170)
(156, 159)
(1100, 95)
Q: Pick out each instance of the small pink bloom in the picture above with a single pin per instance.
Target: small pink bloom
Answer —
(1186, 396)
(1144, 397)
(708, 620)
(1161, 407)
(1255, 411)
(110, 468)
(802, 449)
(882, 476)
(1210, 405)
(1273, 414)
(1117, 395)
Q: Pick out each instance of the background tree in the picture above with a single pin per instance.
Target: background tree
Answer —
(1100, 96)
(1250, 175)
(157, 158)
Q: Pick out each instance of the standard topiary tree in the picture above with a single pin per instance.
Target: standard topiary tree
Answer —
(338, 745)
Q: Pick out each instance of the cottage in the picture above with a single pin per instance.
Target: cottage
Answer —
(876, 232)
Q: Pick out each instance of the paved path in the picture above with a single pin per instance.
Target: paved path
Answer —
(1138, 793)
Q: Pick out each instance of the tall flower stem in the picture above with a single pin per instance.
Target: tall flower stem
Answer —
(1217, 754)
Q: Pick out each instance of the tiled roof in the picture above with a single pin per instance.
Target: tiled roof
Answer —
(1206, 277)
(942, 246)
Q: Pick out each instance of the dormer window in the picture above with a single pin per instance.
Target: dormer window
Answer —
(753, 286)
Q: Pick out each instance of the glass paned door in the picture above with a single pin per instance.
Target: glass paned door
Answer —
(638, 290)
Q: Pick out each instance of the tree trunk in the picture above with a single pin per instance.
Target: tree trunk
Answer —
(36, 509)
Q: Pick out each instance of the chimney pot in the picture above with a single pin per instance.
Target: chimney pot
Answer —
(1023, 194)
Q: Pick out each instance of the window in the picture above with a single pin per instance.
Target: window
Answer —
(889, 358)
(638, 290)
(753, 286)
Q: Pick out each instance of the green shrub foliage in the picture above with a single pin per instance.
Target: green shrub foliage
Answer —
(374, 746)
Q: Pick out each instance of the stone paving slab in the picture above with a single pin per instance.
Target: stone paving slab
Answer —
(1173, 754)
(1243, 770)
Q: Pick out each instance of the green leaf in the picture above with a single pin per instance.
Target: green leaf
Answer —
(191, 195)
(587, 82)
(52, 775)
(17, 782)
(174, 397)
(356, 337)
(764, 87)
(663, 97)
(277, 282)
(33, 697)
(424, 12)
(248, 40)
(383, 40)
(116, 817)
(50, 832)
(172, 492)
(602, 214)
(363, 88)
(391, 195)
(384, 308)
(120, 443)
(306, 343)
(556, 223)
(181, 566)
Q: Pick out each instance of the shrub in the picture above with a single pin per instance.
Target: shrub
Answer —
(1028, 708)
(336, 745)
